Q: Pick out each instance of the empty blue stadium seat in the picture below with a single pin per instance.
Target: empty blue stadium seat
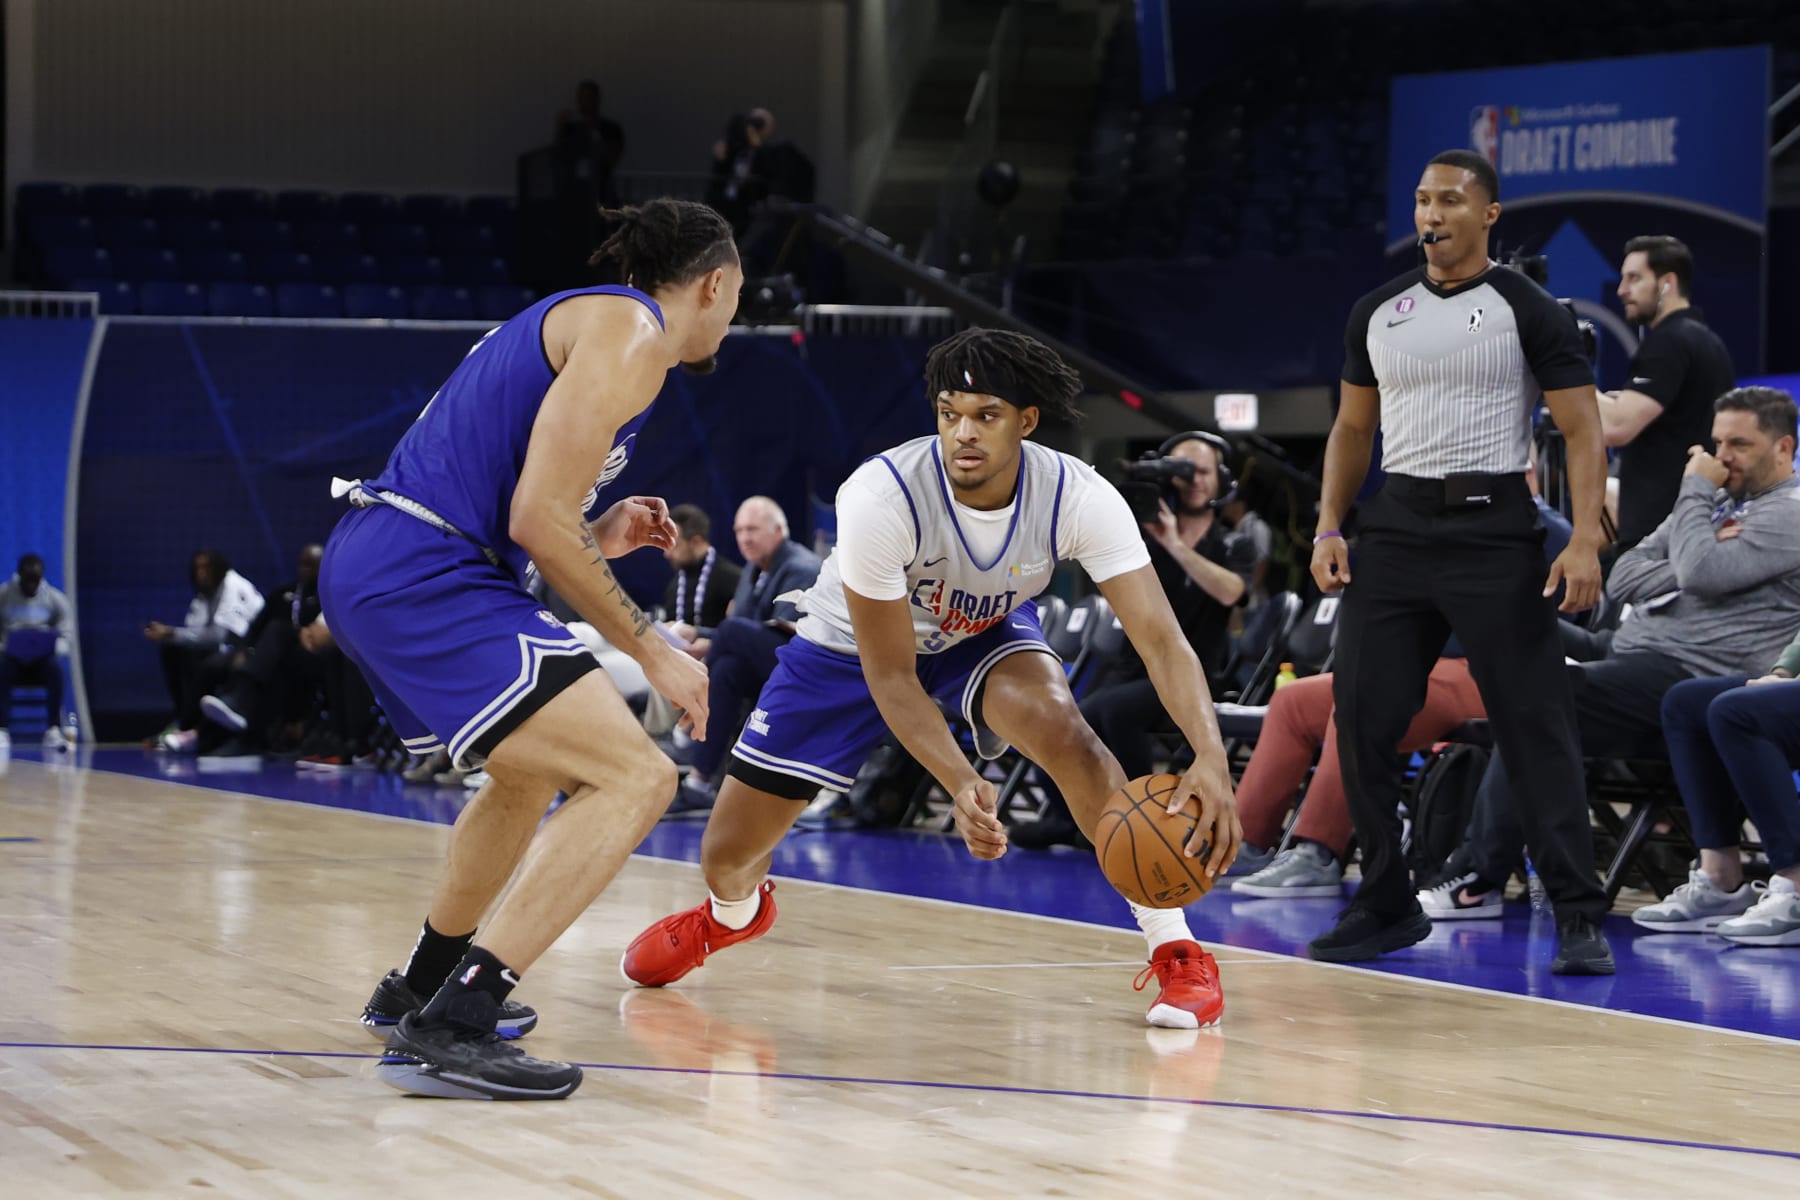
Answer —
(305, 205)
(463, 239)
(236, 203)
(214, 266)
(328, 237)
(476, 270)
(431, 210)
(259, 235)
(368, 207)
(502, 303)
(308, 300)
(123, 233)
(346, 268)
(114, 200)
(490, 210)
(180, 202)
(194, 233)
(145, 262)
(376, 300)
(36, 199)
(411, 270)
(240, 300)
(65, 264)
(281, 266)
(392, 240)
(442, 303)
(63, 229)
(116, 296)
(163, 299)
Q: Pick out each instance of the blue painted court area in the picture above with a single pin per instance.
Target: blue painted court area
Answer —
(1699, 979)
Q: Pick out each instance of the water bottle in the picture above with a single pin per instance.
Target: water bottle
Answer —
(1540, 896)
(1286, 675)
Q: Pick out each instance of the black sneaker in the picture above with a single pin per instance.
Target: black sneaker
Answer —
(462, 1060)
(394, 998)
(1362, 934)
(1054, 830)
(1581, 948)
(226, 708)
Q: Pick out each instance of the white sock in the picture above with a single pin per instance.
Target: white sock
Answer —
(1160, 925)
(737, 914)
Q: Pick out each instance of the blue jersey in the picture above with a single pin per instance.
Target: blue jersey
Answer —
(461, 459)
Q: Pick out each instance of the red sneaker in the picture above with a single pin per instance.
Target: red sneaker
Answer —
(1189, 981)
(676, 945)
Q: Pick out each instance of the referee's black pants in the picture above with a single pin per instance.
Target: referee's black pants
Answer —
(1422, 570)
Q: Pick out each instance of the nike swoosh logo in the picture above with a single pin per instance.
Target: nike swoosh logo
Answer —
(1019, 627)
(1401, 321)
(932, 562)
(1640, 379)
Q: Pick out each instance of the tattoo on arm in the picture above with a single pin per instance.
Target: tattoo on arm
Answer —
(640, 624)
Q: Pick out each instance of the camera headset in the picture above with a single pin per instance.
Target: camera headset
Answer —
(1228, 484)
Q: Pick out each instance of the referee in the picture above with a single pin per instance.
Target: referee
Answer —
(1447, 361)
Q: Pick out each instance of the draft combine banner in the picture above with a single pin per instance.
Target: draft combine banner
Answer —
(1593, 153)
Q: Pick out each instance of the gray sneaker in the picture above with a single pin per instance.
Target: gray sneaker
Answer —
(1773, 921)
(1697, 906)
(1304, 871)
(1249, 861)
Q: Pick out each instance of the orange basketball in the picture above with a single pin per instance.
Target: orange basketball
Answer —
(1139, 845)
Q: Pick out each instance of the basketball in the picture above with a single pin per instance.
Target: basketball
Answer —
(1139, 845)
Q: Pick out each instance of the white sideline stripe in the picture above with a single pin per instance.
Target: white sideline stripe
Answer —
(1270, 955)
(1280, 961)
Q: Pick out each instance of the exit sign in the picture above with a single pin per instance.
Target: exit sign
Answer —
(1235, 412)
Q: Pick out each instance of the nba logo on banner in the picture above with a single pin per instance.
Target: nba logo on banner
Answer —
(1484, 132)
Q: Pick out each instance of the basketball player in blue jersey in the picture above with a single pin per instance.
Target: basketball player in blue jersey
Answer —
(942, 543)
(424, 584)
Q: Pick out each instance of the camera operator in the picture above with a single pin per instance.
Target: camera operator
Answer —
(1679, 369)
(1205, 568)
(1448, 362)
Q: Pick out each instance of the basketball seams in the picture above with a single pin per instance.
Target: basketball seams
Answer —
(1175, 851)
(1124, 819)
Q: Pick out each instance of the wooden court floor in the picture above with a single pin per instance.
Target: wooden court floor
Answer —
(183, 969)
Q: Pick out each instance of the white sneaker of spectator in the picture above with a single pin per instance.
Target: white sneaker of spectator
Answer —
(474, 780)
(1697, 906)
(54, 739)
(1773, 921)
(181, 741)
(1467, 897)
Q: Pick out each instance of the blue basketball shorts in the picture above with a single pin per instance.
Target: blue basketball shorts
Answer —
(815, 721)
(457, 652)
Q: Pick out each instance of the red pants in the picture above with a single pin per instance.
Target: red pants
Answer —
(1300, 720)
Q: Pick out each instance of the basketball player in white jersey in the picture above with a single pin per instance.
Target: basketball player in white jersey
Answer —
(942, 543)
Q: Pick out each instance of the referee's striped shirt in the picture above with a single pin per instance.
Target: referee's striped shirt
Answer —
(1460, 369)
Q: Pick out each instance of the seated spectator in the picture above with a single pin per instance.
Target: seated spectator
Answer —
(34, 640)
(197, 656)
(696, 600)
(1206, 570)
(345, 728)
(1717, 593)
(271, 669)
(1246, 522)
(1735, 742)
(742, 655)
(1300, 725)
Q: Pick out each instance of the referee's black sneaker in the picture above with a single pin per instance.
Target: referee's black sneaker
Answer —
(1362, 934)
(463, 1058)
(394, 998)
(1581, 948)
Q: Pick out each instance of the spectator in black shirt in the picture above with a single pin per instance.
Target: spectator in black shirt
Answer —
(1679, 369)
(697, 599)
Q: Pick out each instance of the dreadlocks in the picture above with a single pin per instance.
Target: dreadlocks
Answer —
(998, 362)
(666, 242)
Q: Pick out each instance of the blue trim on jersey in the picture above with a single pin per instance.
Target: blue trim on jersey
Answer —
(604, 289)
(1062, 468)
(918, 530)
(947, 496)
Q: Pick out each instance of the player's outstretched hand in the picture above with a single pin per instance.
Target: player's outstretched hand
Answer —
(633, 523)
(682, 682)
(977, 820)
(1218, 831)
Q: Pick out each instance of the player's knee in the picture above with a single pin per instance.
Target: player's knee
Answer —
(652, 779)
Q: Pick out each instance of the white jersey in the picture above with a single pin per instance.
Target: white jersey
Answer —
(903, 535)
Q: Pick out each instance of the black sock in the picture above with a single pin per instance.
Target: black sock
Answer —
(433, 959)
(479, 971)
